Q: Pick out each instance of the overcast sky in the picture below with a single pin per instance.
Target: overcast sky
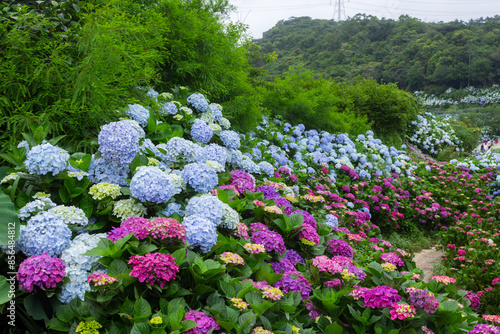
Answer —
(262, 15)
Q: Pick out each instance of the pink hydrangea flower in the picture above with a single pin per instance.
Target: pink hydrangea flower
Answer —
(444, 279)
(100, 279)
(154, 267)
(402, 311)
(381, 296)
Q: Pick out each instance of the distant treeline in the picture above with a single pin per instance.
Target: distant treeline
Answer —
(414, 54)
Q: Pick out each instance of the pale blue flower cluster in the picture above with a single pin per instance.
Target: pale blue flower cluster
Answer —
(46, 158)
(214, 152)
(200, 177)
(267, 168)
(201, 132)
(71, 215)
(151, 184)
(231, 139)
(171, 208)
(102, 171)
(431, 134)
(35, 207)
(216, 111)
(24, 144)
(168, 108)
(179, 149)
(230, 217)
(119, 143)
(206, 206)
(332, 221)
(44, 233)
(200, 232)
(138, 113)
(198, 101)
(78, 266)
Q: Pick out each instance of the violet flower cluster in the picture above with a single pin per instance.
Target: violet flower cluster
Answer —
(40, 270)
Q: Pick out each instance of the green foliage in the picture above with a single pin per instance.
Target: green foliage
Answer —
(318, 103)
(413, 54)
(387, 107)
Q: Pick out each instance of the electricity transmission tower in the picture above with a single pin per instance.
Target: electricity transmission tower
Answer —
(338, 9)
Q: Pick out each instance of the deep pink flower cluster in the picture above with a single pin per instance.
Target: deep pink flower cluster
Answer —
(160, 228)
(241, 231)
(154, 267)
(495, 281)
(402, 311)
(40, 270)
(393, 258)
(340, 247)
(205, 323)
(381, 296)
(334, 283)
(358, 292)
(324, 263)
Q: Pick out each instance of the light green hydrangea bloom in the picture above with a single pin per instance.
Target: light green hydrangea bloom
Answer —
(217, 167)
(71, 215)
(224, 122)
(127, 208)
(103, 190)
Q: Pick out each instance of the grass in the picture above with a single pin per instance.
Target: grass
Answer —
(414, 241)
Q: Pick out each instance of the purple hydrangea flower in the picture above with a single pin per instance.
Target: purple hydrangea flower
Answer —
(242, 181)
(280, 202)
(340, 247)
(205, 323)
(268, 191)
(308, 218)
(301, 284)
(272, 241)
(40, 270)
(381, 296)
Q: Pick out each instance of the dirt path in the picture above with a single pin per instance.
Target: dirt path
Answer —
(425, 259)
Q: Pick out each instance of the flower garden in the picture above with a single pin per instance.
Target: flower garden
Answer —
(177, 224)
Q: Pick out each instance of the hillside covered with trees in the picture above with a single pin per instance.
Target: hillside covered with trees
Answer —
(414, 54)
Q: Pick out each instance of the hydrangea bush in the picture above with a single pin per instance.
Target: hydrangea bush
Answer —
(277, 231)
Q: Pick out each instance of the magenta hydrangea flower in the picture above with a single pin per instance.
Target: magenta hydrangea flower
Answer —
(272, 241)
(393, 258)
(485, 329)
(241, 231)
(40, 270)
(381, 297)
(154, 267)
(301, 284)
(283, 202)
(314, 312)
(131, 225)
(403, 311)
(333, 283)
(358, 272)
(258, 227)
(475, 301)
(342, 260)
(242, 181)
(309, 233)
(205, 323)
(340, 247)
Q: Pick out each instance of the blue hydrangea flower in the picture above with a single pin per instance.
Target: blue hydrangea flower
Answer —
(119, 143)
(234, 157)
(138, 113)
(201, 132)
(198, 101)
(44, 233)
(332, 221)
(249, 166)
(76, 288)
(200, 232)
(168, 108)
(216, 111)
(151, 184)
(171, 208)
(35, 207)
(102, 171)
(24, 144)
(179, 148)
(206, 206)
(200, 177)
(230, 139)
(73, 256)
(267, 168)
(214, 152)
(45, 158)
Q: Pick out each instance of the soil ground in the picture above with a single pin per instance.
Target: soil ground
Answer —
(425, 260)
